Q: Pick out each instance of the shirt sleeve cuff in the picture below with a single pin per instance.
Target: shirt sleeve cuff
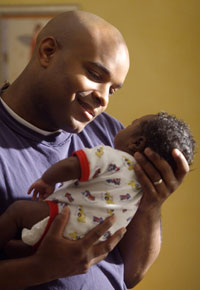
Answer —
(85, 166)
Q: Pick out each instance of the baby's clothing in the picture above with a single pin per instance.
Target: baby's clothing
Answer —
(107, 186)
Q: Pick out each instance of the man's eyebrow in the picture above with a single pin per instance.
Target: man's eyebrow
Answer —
(100, 66)
(104, 69)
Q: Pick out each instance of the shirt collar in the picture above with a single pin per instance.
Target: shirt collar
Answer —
(25, 123)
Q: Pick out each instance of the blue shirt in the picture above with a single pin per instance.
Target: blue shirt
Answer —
(26, 154)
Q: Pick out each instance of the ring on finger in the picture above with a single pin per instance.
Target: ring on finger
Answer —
(158, 182)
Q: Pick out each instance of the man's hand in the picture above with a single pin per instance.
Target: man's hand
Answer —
(151, 169)
(141, 244)
(58, 257)
(62, 257)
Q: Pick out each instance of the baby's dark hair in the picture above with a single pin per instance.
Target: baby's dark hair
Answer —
(165, 133)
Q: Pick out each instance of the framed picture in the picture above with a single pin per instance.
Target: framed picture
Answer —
(19, 27)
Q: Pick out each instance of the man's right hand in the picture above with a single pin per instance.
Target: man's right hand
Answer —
(61, 257)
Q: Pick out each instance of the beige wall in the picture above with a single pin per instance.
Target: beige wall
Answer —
(164, 42)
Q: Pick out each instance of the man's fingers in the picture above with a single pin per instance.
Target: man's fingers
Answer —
(182, 165)
(156, 175)
(101, 250)
(158, 169)
(151, 164)
(97, 259)
(143, 179)
(58, 225)
(171, 179)
(108, 245)
(94, 235)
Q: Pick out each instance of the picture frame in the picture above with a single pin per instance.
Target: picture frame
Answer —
(19, 26)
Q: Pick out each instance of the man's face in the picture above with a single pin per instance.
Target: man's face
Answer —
(79, 80)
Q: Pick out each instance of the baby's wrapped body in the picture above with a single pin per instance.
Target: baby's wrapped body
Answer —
(107, 186)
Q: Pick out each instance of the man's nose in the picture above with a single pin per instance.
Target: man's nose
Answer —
(101, 96)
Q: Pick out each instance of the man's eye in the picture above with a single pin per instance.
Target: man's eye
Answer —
(95, 75)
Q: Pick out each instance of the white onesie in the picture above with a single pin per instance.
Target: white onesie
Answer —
(107, 186)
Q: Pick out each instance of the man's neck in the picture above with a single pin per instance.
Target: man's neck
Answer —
(18, 117)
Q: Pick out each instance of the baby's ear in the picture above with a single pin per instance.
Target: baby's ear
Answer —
(138, 144)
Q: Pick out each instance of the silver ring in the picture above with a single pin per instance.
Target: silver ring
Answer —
(158, 182)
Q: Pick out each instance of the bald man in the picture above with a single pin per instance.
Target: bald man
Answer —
(57, 106)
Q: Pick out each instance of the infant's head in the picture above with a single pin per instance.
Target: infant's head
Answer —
(162, 133)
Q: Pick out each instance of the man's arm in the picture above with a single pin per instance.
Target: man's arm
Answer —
(58, 257)
(141, 244)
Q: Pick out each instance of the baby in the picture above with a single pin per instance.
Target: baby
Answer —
(100, 181)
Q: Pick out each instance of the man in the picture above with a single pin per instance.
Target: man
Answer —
(79, 60)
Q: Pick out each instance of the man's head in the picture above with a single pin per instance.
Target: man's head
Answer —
(162, 133)
(78, 62)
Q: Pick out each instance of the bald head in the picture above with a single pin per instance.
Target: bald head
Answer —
(72, 25)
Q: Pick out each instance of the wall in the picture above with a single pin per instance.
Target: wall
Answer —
(163, 39)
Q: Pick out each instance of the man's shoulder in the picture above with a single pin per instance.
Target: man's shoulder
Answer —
(105, 117)
(106, 121)
(102, 130)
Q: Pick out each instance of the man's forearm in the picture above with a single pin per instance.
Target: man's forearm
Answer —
(17, 274)
(141, 245)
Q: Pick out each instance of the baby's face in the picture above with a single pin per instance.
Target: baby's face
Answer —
(127, 137)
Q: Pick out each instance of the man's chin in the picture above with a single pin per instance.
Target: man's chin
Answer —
(76, 127)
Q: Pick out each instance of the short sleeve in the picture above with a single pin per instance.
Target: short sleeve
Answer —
(95, 161)
(84, 163)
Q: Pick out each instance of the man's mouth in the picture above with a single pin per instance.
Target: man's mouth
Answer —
(87, 108)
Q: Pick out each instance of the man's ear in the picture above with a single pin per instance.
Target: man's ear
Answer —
(47, 48)
(138, 144)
